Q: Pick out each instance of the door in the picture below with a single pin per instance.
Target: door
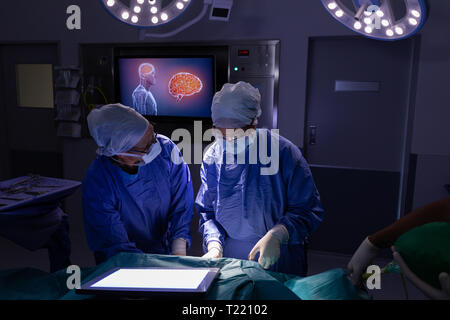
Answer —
(29, 144)
(357, 111)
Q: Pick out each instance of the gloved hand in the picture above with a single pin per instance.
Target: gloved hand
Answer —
(214, 250)
(427, 289)
(179, 247)
(269, 246)
(361, 260)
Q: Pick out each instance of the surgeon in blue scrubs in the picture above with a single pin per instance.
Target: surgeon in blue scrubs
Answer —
(248, 211)
(135, 197)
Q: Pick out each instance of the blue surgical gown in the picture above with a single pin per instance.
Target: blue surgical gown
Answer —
(238, 205)
(144, 213)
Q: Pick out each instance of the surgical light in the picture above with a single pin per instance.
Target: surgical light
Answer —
(399, 30)
(413, 21)
(332, 5)
(141, 13)
(415, 13)
(379, 19)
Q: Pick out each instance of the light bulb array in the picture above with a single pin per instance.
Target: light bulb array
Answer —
(380, 23)
(146, 13)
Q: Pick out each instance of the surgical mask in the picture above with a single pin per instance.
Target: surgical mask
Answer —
(155, 150)
(239, 144)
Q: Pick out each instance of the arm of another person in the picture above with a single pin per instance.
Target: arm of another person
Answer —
(304, 210)
(438, 211)
(213, 235)
(181, 208)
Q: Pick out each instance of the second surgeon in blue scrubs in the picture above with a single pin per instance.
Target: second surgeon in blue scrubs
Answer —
(244, 213)
(135, 198)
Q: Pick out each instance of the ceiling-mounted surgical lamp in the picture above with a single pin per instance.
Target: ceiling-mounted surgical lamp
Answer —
(387, 20)
(145, 13)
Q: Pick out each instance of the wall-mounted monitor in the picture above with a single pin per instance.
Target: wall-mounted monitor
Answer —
(181, 87)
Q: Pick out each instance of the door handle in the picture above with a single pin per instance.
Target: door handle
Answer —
(312, 134)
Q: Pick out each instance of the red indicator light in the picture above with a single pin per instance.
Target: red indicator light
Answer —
(243, 53)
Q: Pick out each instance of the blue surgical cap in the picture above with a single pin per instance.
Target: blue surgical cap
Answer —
(116, 128)
(236, 105)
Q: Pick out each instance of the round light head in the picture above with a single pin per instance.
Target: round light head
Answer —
(146, 13)
(380, 20)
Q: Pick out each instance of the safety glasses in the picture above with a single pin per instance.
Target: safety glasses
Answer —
(139, 153)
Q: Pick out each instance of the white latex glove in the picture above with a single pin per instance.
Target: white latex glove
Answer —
(179, 247)
(361, 259)
(214, 250)
(269, 246)
(427, 289)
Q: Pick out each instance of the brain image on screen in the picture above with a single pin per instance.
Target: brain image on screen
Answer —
(158, 87)
(143, 100)
(184, 84)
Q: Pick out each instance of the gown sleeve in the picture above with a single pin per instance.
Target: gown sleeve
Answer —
(438, 211)
(182, 202)
(304, 211)
(204, 204)
(105, 232)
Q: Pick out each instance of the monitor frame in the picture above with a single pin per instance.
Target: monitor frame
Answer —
(157, 118)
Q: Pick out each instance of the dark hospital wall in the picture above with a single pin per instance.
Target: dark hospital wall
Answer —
(293, 22)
